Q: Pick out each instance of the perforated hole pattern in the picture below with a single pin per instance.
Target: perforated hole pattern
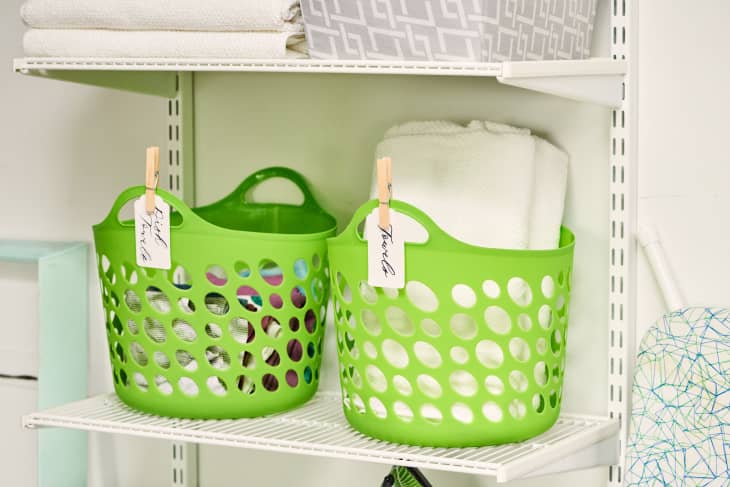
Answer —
(454, 363)
(220, 339)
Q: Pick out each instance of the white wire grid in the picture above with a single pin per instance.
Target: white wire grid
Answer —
(320, 429)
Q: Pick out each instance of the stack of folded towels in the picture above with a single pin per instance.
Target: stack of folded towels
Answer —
(164, 28)
(486, 184)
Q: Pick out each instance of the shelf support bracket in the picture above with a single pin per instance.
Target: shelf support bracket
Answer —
(593, 81)
(156, 83)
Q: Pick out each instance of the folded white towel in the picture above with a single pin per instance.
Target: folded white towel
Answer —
(475, 184)
(162, 44)
(548, 202)
(195, 15)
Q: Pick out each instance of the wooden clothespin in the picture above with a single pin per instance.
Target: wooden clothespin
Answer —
(152, 176)
(385, 191)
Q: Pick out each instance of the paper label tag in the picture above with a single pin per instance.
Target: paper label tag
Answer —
(152, 234)
(386, 252)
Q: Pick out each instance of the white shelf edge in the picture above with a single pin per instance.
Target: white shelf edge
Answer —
(319, 429)
(596, 80)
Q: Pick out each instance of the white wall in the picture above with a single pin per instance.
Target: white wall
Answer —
(67, 150)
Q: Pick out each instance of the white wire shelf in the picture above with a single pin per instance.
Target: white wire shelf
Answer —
(596, 80)
(320, 429)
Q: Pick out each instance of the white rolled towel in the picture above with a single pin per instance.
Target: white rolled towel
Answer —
(162, 44)
(548, 202)
(476, 184)
(194, 15)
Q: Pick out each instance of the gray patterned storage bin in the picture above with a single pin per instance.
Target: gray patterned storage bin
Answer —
(449, 30)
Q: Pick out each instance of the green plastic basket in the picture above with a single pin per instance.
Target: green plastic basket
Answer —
(235, 328)
(470, 353)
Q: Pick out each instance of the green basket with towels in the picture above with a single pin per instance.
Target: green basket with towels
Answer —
(470, 353)
(235, 327)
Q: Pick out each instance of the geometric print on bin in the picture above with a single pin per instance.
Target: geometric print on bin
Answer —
(496, 369)
(450, 30)
(680, 422)
(227, 333)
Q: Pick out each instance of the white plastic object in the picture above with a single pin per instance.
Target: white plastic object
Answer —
(649, 239)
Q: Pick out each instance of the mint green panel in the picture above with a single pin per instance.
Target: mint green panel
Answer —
(63, 364)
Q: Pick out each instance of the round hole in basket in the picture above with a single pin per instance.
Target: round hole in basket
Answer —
(538, 403)
(547, 286)
(464, 296)
(545, 316)
(427, 354)
(489, 354)
(249, 298)
(491, 289)
(308, 374)
(421, 296)
(402, 385)
(213, 331)
(217, 385)
(270, 272)
(216, 275)
(132, 327)
(463, 326)
(431, 413)
(459, 355)
(270, 356)
(429, 386)
(241, 330)
(317, 287)
(371, 322)
(186, 360)
(399, 321)
(276, 301)
(498, 320)
(292, 378)
(271, 326)
(216, 303)
(218, 357)
(245, 384)
(270, 382)
(541, 374)
(403, 411)
(368, 293)
(462, 413)
(242, 269)
(186, 305)
(188, 386)
(492, 411)
(310, 321)
(139, 354)
(294, 350)
(131, 299)
(376, 378)
(463, 383)
(519, 349)
(184, 330)
(161, 359)
(395, 354)
(178, 276)
(141, 382)
(155, 330)
(301, 269)
(247, 360)
(298, 297)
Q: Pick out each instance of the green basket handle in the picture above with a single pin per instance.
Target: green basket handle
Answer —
(436, 235)
(112, 219)
(241, 192)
